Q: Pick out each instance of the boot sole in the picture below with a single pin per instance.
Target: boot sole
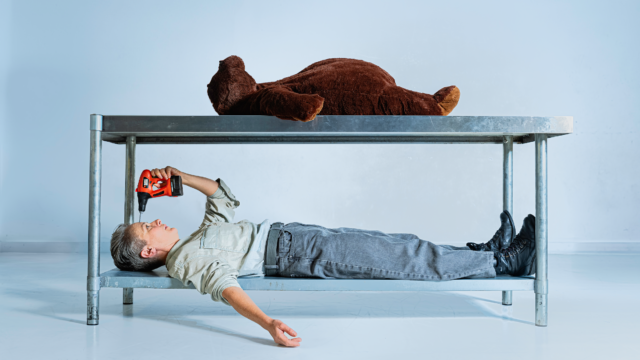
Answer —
(513, 227)
(532, 271)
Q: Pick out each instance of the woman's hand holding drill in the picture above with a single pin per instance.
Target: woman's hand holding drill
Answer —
(202, 184)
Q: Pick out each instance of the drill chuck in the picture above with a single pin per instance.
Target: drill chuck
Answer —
(142, 201)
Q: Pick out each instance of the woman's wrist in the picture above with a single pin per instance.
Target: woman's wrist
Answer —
(186, 179)
(265, 321)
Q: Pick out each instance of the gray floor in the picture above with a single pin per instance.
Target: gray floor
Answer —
(593, 314)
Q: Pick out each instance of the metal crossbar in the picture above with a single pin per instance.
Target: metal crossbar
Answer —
(505, 130)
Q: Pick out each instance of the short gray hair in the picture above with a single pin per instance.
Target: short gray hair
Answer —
(126, 248)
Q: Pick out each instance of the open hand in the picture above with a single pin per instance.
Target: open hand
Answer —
(277, 329)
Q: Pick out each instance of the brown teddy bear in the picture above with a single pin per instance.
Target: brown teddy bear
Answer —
(328, 87)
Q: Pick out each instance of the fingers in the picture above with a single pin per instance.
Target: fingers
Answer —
(283, 340)
(165, 173)
(158, 173)
(172, 171)
(287, 329)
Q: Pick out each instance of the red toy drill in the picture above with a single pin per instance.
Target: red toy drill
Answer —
(146, 191)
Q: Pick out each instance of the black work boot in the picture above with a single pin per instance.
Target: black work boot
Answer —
(504, 235)
(519, 258)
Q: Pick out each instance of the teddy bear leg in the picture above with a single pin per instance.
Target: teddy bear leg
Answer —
(447, 98)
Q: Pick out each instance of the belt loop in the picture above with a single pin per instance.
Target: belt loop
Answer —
(270, 261)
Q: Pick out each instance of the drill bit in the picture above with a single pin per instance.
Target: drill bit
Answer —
(140, 217)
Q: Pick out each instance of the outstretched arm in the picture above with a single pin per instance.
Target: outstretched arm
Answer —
(280, 101)
(235, 296)
(247, 308)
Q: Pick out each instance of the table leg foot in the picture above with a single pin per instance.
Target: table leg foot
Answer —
(541, 309)
(93, 305)
(127, 296)
(506, 298)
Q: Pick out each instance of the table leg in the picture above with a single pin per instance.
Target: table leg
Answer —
(541, 282)
(129, 200)
(507, 193)
(130, 181)
(95, 177)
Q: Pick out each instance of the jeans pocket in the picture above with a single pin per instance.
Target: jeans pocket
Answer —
(284, 243)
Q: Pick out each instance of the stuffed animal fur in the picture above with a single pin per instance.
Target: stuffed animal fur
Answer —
(328, 87)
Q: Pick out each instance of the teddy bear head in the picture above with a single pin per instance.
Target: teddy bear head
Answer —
(230, 84)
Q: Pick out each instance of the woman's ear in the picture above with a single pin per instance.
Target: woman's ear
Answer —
(148, 252)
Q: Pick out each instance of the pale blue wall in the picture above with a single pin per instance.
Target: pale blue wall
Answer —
(64, 60)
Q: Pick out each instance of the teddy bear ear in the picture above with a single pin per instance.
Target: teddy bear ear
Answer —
(232, 62)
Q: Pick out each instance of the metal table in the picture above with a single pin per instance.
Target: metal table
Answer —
(241, 129)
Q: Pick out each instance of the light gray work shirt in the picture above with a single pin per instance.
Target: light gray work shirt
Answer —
(218, 252)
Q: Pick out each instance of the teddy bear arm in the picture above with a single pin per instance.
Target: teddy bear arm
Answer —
(284, 103)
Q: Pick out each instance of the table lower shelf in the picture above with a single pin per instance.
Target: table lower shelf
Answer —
(160, 279)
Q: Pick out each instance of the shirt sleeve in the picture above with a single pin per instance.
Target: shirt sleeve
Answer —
(209, 276)
(220, 205)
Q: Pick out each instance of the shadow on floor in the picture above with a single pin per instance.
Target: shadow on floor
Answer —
(154, 304)
(195, 324)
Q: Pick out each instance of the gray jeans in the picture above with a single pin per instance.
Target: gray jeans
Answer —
(345, 253)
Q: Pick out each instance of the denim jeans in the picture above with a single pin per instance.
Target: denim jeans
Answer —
(346, 253)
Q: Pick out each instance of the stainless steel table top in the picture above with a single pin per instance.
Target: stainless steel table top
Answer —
(160, 279)
(255, 129)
